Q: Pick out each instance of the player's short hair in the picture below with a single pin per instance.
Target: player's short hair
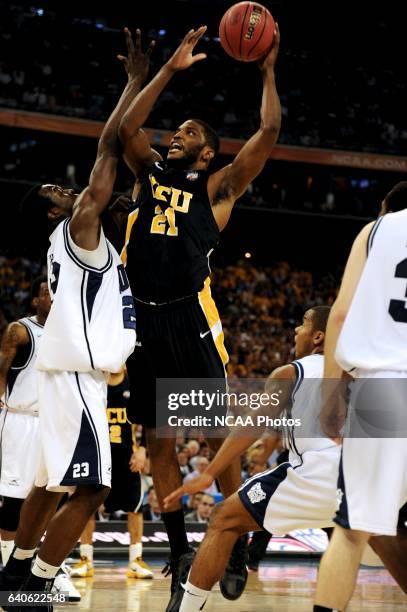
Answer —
(320, 316)
(211, 137)
(396, 199)
(36, 284)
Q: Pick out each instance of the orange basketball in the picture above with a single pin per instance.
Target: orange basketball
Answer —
(246, 31)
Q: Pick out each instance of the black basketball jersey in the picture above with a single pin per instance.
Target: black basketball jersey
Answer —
(170, 235)
(119, 427)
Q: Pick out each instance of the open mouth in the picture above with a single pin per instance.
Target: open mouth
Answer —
(175, 146)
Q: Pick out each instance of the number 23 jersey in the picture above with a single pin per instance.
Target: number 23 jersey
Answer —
(91, 325)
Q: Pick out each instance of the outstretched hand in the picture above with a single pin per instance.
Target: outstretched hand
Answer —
(268, 61)
(136, 63)
(183, 58)
(199, 483)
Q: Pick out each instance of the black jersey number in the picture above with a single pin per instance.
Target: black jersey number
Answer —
(56, 267)
(397, 308)
(129, 312)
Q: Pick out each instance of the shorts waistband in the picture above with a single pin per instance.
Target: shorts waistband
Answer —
(187, 298)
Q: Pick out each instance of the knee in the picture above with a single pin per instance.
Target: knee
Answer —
(90, 496)
(163, 448)
(221, 519)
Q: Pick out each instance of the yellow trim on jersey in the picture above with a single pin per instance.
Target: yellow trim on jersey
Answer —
(131, 219)
(212, 316)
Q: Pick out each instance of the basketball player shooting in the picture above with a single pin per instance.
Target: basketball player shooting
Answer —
(90, 331)
(180, 210)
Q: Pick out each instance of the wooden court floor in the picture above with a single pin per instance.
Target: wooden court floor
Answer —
(278, 586)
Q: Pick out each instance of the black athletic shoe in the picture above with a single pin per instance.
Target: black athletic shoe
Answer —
(234, 579)
(179, 570)
(10, 583)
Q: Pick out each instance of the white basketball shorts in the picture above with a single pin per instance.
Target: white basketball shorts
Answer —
(20, 451)
(372, 481)
(287, 498)
(74, 433)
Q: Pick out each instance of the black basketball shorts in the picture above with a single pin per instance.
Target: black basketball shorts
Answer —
(183, 339)
(126, 492)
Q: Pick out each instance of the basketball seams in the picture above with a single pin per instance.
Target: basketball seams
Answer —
(241, 29)
(261, 34)
(223, 25)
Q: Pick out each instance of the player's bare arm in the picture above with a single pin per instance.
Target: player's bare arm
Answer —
(137, 150)
(229, 183)
(16, 335)
(333, 411)
(238, 441)
(85, 223)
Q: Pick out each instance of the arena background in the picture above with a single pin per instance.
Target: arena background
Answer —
(343, 143)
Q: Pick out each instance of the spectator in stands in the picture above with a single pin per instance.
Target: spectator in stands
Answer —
(204, 510)
(183, 457)
(152, 511)
(200, 466)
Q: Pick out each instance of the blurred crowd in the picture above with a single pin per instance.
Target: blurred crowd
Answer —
(333, 100)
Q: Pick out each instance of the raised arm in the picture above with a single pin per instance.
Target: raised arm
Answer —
(238, 441)
(15, 335)
(229, 183)
(85, 223)
(137, 150)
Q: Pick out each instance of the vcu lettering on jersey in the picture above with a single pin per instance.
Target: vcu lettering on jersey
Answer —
(119, 427)
(170, 235)
(91, 325)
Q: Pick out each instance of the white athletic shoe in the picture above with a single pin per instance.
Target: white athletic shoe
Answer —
(63, 584)
(82, 569)
(139, 569)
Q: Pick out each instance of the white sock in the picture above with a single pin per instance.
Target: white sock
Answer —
(21, 553)
(135, 551)
(6, 550)
(86, 550)
(44, 570)
(194, 599)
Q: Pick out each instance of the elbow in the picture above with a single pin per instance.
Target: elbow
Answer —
(271, 130)
(127, 129)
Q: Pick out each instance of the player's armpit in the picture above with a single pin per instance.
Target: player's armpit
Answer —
(15, 335)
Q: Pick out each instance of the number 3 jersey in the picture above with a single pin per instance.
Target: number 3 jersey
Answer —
(374, 334)
(91, 325)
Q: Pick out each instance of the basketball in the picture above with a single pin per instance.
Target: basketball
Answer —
(246, 31)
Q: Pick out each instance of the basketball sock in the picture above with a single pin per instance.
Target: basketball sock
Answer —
(175, 526)
(194, 598)
(86, 550)
(41, 577)
(135, 551)
(323, 609)
(19, 563)
(6, 550)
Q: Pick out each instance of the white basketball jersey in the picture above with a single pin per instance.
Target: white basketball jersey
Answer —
(374, 334)
(306, 406)
(91, 325)
(21, 391)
